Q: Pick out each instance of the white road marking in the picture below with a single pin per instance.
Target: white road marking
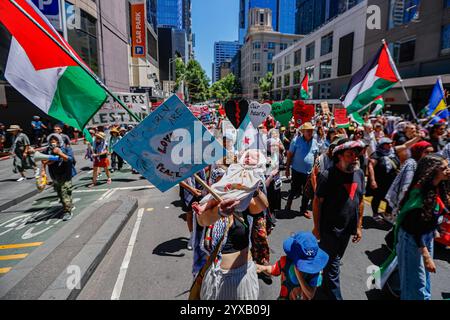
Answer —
(105, 194)
(166, 207)
(126, 259)
(109, 195)
(118, 188)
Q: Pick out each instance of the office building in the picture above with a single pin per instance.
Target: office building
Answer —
(262, 43)
(223, 50)
(170, 13)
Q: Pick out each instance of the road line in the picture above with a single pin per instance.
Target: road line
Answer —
(117, 188)
(105, 194)
(20, 245)
(13, 256)
(126, 259)
(109, 195)
(4, 270)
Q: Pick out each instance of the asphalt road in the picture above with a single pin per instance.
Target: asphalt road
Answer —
(149, 259)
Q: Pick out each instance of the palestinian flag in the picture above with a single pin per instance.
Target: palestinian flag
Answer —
(379, 105)
(374, 78)
(357, 118)
(304, 88)
(43, 72)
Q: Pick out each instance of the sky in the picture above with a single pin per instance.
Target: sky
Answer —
(213, 20)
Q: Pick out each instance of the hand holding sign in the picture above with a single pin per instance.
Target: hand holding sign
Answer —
(236, 111)
(282, 112)
(258, 112)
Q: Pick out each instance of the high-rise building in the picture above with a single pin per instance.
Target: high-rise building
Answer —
(223, 50)
(151, 7)
(170, 14)
(283, 15)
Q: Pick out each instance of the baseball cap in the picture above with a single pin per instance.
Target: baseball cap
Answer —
(303, 250)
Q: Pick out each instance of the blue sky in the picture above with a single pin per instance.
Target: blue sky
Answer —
(213, 20)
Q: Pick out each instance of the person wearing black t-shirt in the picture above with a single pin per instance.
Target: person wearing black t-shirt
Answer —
(338, 209)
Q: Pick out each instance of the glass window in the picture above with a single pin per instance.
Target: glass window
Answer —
(447, 3)
(283, 46)
(255, 80)
(256, 67)
(445, 39)
(310, 71)
(269, 56)
(271, 45)
(279, 66)
(297, 57)
(403, 51)
(325, 70)
(326, 45)
(287, 62)
(403, 12)
(309, 52)
(256, 56)
(324, 90)
(287, 80)
(270, 67)
(279, 82)
(297, 77)
(256, 45)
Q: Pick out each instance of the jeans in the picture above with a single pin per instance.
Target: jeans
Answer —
(334, 243)
(297, 185)
(415, 283)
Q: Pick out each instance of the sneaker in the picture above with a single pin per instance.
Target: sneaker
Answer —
(21, 179)
(189, 245)
(67, 216)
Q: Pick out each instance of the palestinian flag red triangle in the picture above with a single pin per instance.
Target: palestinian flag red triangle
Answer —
(351, 189)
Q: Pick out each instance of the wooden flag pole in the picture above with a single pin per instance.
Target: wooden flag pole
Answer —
(216, 196)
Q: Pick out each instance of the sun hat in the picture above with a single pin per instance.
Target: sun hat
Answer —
(307, 126)
(384, 141)
(100, 135)
(303, 250)
(14, 127)
(341, 147)
(114, 130)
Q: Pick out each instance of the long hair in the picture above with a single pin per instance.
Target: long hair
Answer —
(426, 171)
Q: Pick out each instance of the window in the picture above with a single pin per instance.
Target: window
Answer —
(345, 59)
(279, 66)
(325, 70)
(270, 67)
(283, 46)
(279, 82)
(324, 90)
(309, 52)
(255, 94)
(403, 12)
(297, 76)
(256, 80)
(287, 62)
(326, 44)
(310, 71)
(403, 51)
(271, 45)
(445, 39)
(256, 56)
(256, 67)
(297, 57)
(269, 56)
(287, 80)
(256, 45)
(447, 4)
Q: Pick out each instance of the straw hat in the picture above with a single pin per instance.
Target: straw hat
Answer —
(100, 135)
(14, 127)
(114, 130)
(307, 126)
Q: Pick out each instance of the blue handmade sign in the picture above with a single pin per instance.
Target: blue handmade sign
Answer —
(169, 145)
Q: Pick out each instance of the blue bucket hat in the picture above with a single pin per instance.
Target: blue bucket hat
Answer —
(303, 249)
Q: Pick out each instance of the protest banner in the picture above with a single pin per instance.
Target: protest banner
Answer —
(303, 112)
(259, 112)
(340, 118)
(169, 145)
(112, 113)
(282, 112)
(325, 108)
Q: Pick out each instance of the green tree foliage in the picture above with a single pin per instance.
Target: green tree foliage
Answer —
(266, 85)
(194, 78)
(225, 88)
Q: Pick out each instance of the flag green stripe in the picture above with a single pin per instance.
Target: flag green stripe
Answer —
(304, 94)
(367, 96)
(77, 98)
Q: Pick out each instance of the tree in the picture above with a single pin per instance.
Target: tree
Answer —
(266, 85)
(180, 72)
(225, 88)
(196, 81)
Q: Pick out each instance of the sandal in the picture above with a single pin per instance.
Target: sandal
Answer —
(109, 181)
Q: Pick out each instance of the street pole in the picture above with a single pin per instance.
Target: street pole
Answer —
(75, 58)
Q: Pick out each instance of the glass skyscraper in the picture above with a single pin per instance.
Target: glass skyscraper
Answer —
(170, 14)
(151, 13)
(223, 51)
(286, 16)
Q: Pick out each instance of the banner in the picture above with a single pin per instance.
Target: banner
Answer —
(340, 118)
(303, 112)
(169, 146)
(325, 108)
(113, 113)
(138, 30)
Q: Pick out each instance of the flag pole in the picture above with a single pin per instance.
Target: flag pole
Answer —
(86, 69)
(401, 83)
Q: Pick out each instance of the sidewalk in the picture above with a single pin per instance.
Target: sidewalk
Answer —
(13, 192)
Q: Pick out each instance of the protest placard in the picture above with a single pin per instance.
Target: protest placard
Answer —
(340, 117)
(303, 112)
(113, 113)
(169, 145)
(325, 108)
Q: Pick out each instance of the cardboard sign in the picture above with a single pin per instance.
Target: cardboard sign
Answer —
(258, 112)
(282, 112)
(340, 117)
(325, 108)
(236, 111)
(303, 112)
(138, 30)
(113, 113)
(169, 146)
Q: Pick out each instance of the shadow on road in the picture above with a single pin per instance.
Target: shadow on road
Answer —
(287, 214)
(370, 223)
(441, 253)
(378, 256)
(169, 248)
(177, 203)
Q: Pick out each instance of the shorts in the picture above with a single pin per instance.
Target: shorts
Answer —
(101, 163)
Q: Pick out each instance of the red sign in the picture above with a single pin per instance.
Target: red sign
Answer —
(303, 112)
(340, 116)
(138, 32)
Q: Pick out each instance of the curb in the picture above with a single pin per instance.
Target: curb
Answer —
(18, 200)
(86, 259)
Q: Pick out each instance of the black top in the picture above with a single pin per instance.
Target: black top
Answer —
(62, 170)
(342, 193)
(238, 236)
(415, 225)
(383, 177)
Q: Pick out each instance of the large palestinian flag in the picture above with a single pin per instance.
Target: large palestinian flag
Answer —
(304, 88)
(374, 78)
(42, 71)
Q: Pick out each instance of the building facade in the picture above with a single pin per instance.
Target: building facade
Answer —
(418, 36)
(330, 55)
(223, 51)
(170, 14)
(225, 68)
(260, 47)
